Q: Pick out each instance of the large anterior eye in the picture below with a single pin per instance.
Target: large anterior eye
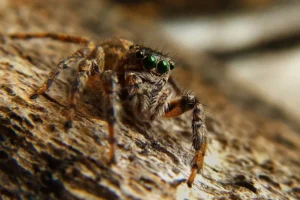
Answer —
(163, 67)
(149, 62)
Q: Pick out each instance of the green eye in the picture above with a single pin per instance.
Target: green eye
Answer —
(149, 62)
(163, 67)
(172, 65)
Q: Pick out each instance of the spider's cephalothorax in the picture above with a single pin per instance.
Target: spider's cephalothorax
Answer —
(135, 75)
(146, 74)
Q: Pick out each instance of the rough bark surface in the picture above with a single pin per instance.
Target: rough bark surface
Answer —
(249, 156)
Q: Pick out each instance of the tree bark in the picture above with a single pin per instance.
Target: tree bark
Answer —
(249, 156)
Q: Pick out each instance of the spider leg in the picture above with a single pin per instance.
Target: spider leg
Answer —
(110, 90)
(55, 36)
(77, 88)
(93, 64)
(178, 107)
(79, 54)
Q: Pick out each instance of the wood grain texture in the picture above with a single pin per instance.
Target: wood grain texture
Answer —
(249, 156)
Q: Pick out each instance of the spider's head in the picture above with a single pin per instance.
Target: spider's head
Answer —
(156, 63)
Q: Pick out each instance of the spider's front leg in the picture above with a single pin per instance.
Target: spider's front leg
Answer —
(178, 107)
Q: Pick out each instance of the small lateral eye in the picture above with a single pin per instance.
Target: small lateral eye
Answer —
(149, 62)
(139, 54)
(163, 67)
(172, 65)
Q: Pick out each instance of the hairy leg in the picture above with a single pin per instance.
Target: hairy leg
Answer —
(64, 64)
(158, 104)
(110, 90)
(90, 66)
(55, 36)
(178, 107)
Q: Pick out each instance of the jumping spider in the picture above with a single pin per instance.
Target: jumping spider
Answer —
(134, 74)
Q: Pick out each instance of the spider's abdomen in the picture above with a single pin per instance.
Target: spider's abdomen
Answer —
(114, 50)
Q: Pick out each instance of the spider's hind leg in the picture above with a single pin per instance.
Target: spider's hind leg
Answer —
(54, 36)
(110, 90)
(63, 64)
